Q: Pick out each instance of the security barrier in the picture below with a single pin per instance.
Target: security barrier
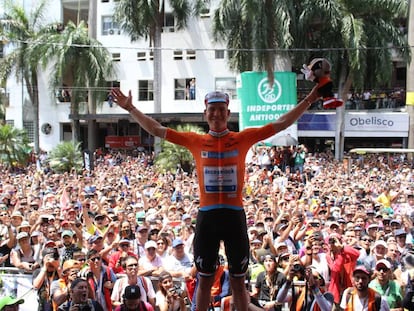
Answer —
(13, 282)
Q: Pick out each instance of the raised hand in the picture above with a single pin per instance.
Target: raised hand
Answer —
(122, 100)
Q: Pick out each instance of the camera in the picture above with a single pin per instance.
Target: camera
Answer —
(84, 307)
(332, 241)
(297, 267)
(55, 254)
(176, 290)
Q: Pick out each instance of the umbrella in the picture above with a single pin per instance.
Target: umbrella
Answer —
(284, 140)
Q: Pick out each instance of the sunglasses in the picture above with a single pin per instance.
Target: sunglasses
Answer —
(383, 269)
(160, 243)
(95, 259)
(132, 265)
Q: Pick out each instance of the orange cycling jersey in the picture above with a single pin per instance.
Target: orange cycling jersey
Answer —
(220, 163)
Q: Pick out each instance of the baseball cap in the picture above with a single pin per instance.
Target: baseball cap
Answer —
(362, 269)
(50, 243)
(281, 244)
(177, 242)
(17, 214)
(216, 97)
(140, 228)
(334, 223)
(10, 301)
(252, 229)
(124, 241)
(67, 233)
(70, 264)
(150, 244)
(395, 221)
(383, 262)
(400, 232)
(24, 224)
(48, 251)
(380, 243)
(185, 216)
(132, 292)
(64, 223)
(94, 238)
(256, 241)
(22, 235)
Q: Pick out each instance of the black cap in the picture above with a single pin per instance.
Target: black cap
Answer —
(132, 292)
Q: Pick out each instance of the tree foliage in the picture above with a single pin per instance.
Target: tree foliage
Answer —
(14, 146)
(20, 30)
(78, 59)
(65, 157)
(173, 155)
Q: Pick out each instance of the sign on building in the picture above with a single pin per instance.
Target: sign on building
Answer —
(261, 104)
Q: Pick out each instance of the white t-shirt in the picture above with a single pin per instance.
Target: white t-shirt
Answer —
(171, 263)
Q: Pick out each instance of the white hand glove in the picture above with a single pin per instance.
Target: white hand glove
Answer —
(308, 73)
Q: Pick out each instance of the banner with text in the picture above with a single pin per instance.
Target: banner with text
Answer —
(261, 104)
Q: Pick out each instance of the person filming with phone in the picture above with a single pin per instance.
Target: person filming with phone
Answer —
(341, 260)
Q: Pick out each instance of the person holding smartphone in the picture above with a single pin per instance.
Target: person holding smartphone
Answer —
(341, 260)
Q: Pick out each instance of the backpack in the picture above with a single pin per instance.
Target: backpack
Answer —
(377, 299)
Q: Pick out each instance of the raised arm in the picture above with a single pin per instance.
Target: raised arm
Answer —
(291, 116)
(149, 124)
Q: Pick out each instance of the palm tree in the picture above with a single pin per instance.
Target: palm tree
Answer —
(79, 60)
(173, 155)
(20, 29)
(144, 19)
(254, 31)
(14, 146)
(354, 35)
(65, 157)
(364, 33)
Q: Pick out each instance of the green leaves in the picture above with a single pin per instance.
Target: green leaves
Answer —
(14, 146)
(65, 157)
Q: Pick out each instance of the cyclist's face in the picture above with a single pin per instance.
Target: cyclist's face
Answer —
(217, 115)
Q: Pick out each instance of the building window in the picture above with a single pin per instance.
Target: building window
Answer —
(1, 49)
(29, 127)
(145, 90)
(227, 85)
(184, 89)
(104, 1)
(219, 54)
(168, 23)
(109, 26)
(151, 55)
(205, 12)
(191, 54)
(141, 56)
(116, 57)
(178, 55)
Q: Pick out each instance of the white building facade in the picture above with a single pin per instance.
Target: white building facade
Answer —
(187, 55)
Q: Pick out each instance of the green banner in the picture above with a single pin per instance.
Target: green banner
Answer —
(261, 104)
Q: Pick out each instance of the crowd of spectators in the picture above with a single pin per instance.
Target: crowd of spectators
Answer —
(311, 218)
(387, 99)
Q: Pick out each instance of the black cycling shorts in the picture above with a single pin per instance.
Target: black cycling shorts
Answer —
(218, 225)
